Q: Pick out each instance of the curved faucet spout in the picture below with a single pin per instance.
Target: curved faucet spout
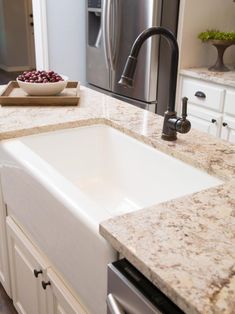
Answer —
(171, 121)
(129, 70)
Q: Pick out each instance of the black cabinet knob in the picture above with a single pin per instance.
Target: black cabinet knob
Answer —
(200, 94)
(213, 120)
(37, 272)
(225, 124)
(45, 284)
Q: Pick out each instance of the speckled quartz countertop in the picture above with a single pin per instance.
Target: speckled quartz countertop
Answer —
(186, 247)
(224, 78)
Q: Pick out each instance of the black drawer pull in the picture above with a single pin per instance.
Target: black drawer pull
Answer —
(200, 94)
(37, 272)
(45, 284)
(225, 124)
(213, 120)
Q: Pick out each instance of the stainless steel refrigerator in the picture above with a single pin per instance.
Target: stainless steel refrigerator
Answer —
(112, 27)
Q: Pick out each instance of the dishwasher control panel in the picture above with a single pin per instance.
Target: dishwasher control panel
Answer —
(132, 293)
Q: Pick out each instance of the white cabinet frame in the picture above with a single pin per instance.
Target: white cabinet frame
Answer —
(4, 261)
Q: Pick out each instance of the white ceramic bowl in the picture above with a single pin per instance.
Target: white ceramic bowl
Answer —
(44, 89)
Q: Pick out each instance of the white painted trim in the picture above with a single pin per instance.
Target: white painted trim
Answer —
(15, 68)
(180, 28)
(40, 34)
(179, 40)
(5, 271)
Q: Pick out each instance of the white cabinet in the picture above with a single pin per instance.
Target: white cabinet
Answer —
(59, 298)
(4, 263)
(36, 288)
(205, 120)
(211, 107)
(203, 94)
(27, 293)
(228, 129)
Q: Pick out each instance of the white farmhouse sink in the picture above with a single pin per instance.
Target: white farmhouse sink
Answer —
(60, 185)
(114, 171)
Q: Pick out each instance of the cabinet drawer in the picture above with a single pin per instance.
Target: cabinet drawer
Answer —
(229, 107)
(205, 120)
(208, 95)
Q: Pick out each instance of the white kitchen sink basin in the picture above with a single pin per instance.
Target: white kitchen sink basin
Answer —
(60, 185)
(114, 171)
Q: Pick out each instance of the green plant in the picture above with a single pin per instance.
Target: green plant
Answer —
(215, 34)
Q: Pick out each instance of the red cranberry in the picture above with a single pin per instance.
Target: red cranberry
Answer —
(40, 77)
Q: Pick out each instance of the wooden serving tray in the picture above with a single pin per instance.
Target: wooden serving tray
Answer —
(13, 95)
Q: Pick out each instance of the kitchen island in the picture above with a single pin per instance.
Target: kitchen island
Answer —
(186, 247)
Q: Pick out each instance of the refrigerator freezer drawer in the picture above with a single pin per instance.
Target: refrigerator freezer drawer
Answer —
(144, 105)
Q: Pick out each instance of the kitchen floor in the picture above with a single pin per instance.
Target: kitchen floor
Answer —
(5, 77)
(6, 306)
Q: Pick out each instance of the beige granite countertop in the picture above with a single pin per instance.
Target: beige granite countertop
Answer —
(186, 246)
(224, 78)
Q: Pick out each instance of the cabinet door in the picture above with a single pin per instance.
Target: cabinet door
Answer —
(28, 295)
(205, 120)
(228, 129)
(229, 107)
(4, 262)
(59, 298)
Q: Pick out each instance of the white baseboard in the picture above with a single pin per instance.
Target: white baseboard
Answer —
(15, 69)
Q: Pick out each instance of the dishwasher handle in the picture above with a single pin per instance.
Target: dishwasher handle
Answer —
(113, 306)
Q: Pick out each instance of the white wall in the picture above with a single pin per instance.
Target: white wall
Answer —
(197, 16)
(66, 37)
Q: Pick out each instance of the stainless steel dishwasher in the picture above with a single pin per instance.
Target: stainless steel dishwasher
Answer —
(129, 292)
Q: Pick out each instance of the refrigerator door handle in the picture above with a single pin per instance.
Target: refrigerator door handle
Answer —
(108, 32)
(106, 5)
(116, 31)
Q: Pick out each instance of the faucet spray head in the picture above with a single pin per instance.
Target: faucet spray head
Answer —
(128, 72)
(126, 82)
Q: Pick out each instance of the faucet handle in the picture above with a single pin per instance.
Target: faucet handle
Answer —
(184, 107)
(183, 125)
